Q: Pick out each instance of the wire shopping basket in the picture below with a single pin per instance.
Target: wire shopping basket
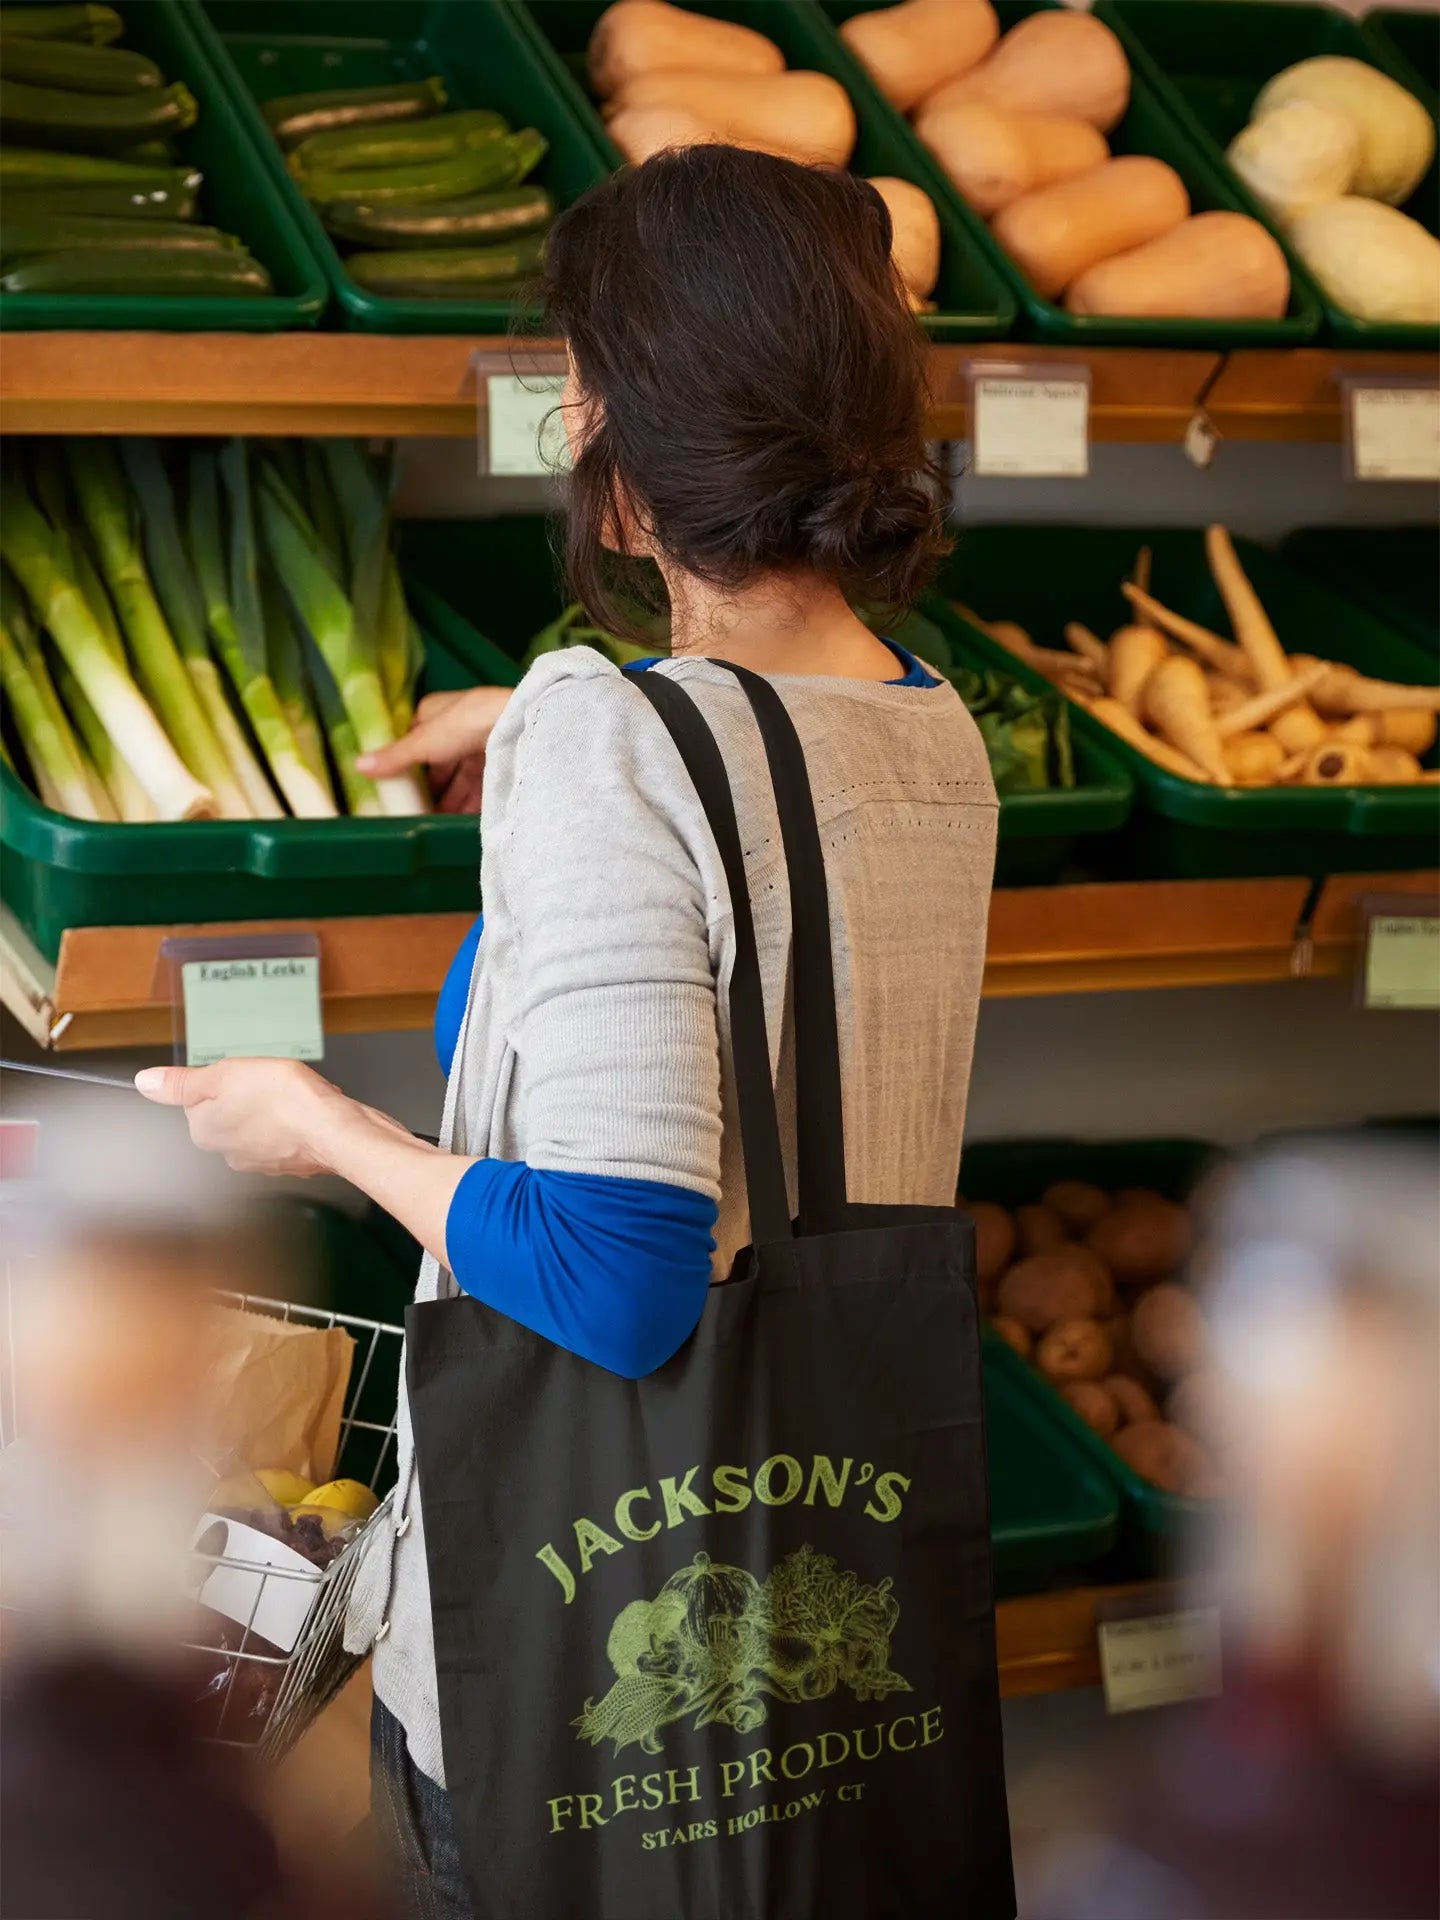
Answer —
(254, 1691)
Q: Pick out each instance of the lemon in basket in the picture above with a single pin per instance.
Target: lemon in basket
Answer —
(350, 1497)
(288, 1489)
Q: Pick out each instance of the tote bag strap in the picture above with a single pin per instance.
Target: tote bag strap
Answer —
(820, 1123)
(755, 1091)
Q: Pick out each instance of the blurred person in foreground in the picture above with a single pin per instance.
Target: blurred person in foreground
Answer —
(1310, 1789)
(112, 1806)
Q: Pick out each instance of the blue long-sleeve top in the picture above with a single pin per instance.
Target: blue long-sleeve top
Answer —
(612, 1269)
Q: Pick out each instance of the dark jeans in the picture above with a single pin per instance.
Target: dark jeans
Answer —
(413, 1817)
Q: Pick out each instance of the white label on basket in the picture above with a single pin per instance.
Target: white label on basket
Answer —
(525, 433)
(1159, 1659)
(266, 1007)
(274, 1606)
(1402, 961)
(1030, 429)
(1395, 432)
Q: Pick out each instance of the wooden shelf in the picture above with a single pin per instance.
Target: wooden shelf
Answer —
(382, 974)
(1048, 1642)
(1295, 396)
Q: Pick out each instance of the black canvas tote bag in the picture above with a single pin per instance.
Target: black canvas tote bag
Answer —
(719, 1644)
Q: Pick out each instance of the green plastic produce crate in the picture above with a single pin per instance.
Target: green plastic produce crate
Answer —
(1148, 127)
(1014, 1173)
(503, 575)
(973, 301)
(265, 48)
(1208, 59)
(58, 872)
(1044, 576)
(239, 195)
(1408, 43)
(1393, 572)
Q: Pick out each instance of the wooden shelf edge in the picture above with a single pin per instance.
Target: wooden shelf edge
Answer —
(382, 973)
(1297, 396)
(1048, 1642)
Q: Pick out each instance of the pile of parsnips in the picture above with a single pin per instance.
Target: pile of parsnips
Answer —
(1233, 713)
(219, 636)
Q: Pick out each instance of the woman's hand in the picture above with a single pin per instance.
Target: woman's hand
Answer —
(264, 1116)
(449, 735)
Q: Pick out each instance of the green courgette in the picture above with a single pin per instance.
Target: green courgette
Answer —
(479, 273)
(101, 201)
(498, 163)
(51, 232)
(480, 218)
(46, 167)
(98, 25)
(92, 122)
(125, 270)
(293, 117)
(440, 137)
(83, 69)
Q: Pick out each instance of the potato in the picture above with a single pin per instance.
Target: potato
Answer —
(994, 1240)
(1132, 1401)
(1040, 1229)
(1062, 1285)
(1142, 1237)
(1014, 1335)
(1200, 1404)
(1078, 1204)
(1074, 1350)
(1164, 1455)
(1095, 1404)
(1169, 1331)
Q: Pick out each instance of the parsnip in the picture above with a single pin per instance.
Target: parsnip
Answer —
(1361, 730)
(1342, 690)
(1225, 694)
(1217, 652)
(1177, 705)
(1121, 721)
(1266, 707)
(1391, 766)
(1133, 655)
(1334, 763)
(1414, 731)
(1300, 726)
(1254, 759)
(1088, 645)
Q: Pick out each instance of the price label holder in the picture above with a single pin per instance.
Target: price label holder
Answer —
(1400, 954)
(1158, 1651)
(1392, 426)
(245, 995)
(519, 430)
(1027, 422)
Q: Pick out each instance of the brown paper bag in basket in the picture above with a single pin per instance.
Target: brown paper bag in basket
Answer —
(278, 1392)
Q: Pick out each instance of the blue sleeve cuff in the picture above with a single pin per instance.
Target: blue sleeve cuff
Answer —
(613, 1270)
(455, 997)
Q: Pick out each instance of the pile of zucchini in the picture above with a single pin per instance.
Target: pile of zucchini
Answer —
(433, 203)
(96, 200)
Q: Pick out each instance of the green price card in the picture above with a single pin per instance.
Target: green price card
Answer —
(261, 1006)
(1402, 961)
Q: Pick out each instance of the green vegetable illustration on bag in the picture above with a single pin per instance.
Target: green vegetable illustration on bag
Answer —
(714, 1641)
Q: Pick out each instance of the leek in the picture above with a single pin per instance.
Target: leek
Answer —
(179, 596)
(238, 630)
(111, 517)
(50, 747)
(282, 647)
(127, 796)
(38, 561)
(32, 655)
(361, 795)
(375, 590)
(323, 612)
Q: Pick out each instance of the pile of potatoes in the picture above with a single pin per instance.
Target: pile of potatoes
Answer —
(667, 77)
(1082, 1285)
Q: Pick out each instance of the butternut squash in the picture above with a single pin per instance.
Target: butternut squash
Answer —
(640, 132)
(915, 234)
(994, 156)
(804, 116)
(1214, 266)
(646, 36)
(1053, 62)
(1056, 233)
(911, 49)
